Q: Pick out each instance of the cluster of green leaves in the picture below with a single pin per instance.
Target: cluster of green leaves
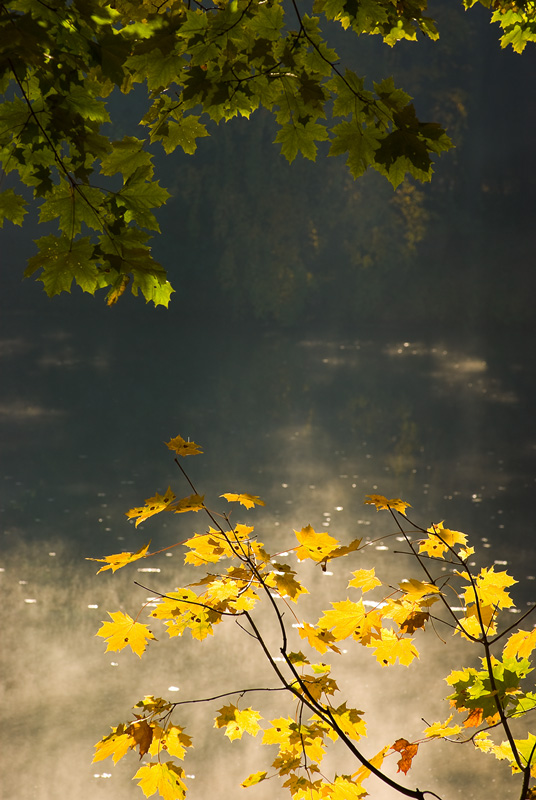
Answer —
(60, 63)
(239, 578)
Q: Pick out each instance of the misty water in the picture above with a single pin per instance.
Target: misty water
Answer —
(311, 424)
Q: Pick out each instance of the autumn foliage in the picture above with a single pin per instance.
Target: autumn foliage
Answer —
(236, 577)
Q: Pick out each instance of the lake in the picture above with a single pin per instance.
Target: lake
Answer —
(308, 420)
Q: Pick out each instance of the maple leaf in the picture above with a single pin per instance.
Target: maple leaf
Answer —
(520, 644)
(388, 647)
(166, 779)
(119, 560)
(116, 744)
(195, 502)
(183, 447)
(491, 589)
(316, 546)
(344, 788)
(283, 579)
(123, 631)
(255, 777)
(440, 540)
(207, 548)
(142, 733)
(246, 500)
(382, 502)
(350, 721)
(321, 640)
(343, 619)
(417, 589)
(171, 740)
(364, 772)
(408, 752)
(153, 505)
(365, 579)
(238, 721)
(442, 729)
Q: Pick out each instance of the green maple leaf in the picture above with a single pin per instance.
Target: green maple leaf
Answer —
(63, 261)
(12, 207)
(125, 157)
(296, 137)
(184, 132)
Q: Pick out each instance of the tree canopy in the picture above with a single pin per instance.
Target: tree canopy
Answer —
(63, 62)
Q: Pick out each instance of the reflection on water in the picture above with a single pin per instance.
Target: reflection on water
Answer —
(311, 425)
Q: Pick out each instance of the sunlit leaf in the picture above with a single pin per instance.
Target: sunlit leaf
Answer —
(119, 560)
(247, 500)
(123, 631)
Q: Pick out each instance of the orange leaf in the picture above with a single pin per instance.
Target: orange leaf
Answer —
(408, 752)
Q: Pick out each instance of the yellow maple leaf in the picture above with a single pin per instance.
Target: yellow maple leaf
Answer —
(153, 505)
(166, 779)
(415, 590)
(238, 721)
(440, 539)
(343, 619)
(388, 647)
(320, 639)
(195, 502)
(382, 502)
(123, 631)
(183, 447)
(350, 722)
(491, 588)
(283, 579)
(316, 546)
(520, 644)
(207, 548)
(365, 579)
(442, 729)
(116, 744)
(376, 761)
(255, 777)
(172, 740)
(344, 788)
(119, 560)
(246, 500)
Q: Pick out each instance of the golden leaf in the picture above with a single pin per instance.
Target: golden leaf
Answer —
(246, 500)
(153, 505)
(183, 447)
(123, 631)
(166, 779)
(119, 560)
(316, 546)
(382, 502)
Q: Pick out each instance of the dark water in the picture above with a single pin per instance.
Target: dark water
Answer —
(309, 421)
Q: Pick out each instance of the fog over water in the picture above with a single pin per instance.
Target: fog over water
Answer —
(309, 424)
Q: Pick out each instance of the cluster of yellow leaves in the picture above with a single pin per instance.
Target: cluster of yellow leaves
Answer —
(385, 625)
(146, 735)
(408, 609)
